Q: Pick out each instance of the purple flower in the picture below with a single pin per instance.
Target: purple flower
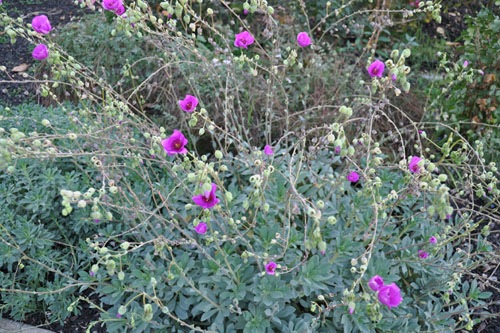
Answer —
(208, 199)
(303, 39)
(376, 68)
(351, 311)
(390, 295)
(243, 39)
(433, 240)
(466, 63)
(413, 165)
(92, 273)
(201, 228)
(394, 77)
(353, 177)
(112, 4)
(41, 24)
(175, 144)
(376, 283)
(271, 268)
(422, 254)
(189, 103)
(268, 150)
(120, 10)
(338, 150)
(118, 315)
(40, 52)
(245, 12)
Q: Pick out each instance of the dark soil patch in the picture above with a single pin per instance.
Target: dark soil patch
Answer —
(13, 90)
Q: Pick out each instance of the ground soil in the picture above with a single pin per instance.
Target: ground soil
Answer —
(61, 12)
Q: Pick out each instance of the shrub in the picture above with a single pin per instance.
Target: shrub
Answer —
(246, 238)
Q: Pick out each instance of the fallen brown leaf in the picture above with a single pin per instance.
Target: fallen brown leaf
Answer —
(20, 68)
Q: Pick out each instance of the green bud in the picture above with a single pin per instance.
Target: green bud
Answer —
(442, 178)
(218, 154)
(148, 312)
(332, 220)
(406, 53)
(122, 310)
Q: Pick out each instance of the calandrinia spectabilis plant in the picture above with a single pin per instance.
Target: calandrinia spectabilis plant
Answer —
(302, 215)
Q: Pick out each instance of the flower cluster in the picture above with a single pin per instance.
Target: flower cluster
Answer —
(41, 24)
(388, 294)
(115, 6)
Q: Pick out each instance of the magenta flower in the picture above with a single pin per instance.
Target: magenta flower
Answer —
(422, 254)
(303, 39)
(41, 24)
(351, 311)
(353, 177)
(208, 199)
(415, 3)
(118, 315)
(201, 228)
(268, 150)
(376, 283)
(120, 10)
(243, 40)
(189, 103)
(413, 165)
(40, 52)
(271, 268)
(112, 5)
(376, 68)
(394, 77)
(175, 144)
(433, 240)
(466, 63)
(390, 295)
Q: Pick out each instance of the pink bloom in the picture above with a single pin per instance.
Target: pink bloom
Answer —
(413, 165)
(376, 283)
(40, 52)
(351, 311)
(111, 4)
(189, 103)
(208, 199)
(243, 39)
(245, 12)
(92, 273)
(201, 228)
(422, 254)
(390, 295)
(394, 77)
(433, 240)
(466, 63)
(41, 24)
(376, 68)
(120, 10)
(415, 3)
(353, 177)
(480, 72)
(303, 39)
(118, 315)
(175, 144)
(268, 150)
(271, 268)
